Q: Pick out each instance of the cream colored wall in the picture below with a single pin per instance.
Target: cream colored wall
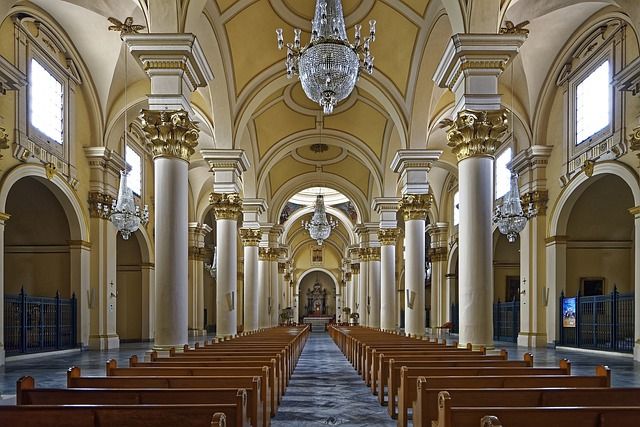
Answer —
(129, 289)
(610, 263)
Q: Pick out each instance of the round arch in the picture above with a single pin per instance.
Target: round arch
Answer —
(313, 269)
(333, 211)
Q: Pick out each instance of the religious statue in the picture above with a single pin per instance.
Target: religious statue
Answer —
(317, 300)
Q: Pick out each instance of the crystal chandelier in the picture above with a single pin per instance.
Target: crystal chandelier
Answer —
(319, 227)
(510, 216)
(213, 267)
(123, 212)
(329, 65)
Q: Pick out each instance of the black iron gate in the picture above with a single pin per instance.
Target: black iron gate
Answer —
(600, 322)
(37, 324)
(506, 321)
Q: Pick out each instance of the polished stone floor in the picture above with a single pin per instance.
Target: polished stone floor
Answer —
(326, 390)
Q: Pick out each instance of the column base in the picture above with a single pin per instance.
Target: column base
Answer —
(532, 339)
(197, 332)
(104, 342)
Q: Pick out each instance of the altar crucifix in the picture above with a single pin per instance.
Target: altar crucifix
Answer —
(317, 300)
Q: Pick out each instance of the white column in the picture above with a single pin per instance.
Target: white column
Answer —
(264, 279)
(227, 208)
(414, 226)
(363, 288)
(148, 295)
(374, 287)
(636, 277)
(250, 240)
(171, 250)
(388, 239)
(275, 289)
(80, 254)
(556, 258)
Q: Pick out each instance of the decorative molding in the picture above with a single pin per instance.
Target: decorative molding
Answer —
(170, 133)
(355, 268)
(608, 149)
(4, 217)
(438, 254)
(556, 240)
(635, 211)
(388, 236)
(476, 133)
(11, 78)
(373, 254)
(538, 199)
(634, 140)
(226, 205)
(250, 236)
(268, 254)
(510, 28)
(415, 206)
(97, 201)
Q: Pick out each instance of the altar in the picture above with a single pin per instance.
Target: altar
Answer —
(318, 323)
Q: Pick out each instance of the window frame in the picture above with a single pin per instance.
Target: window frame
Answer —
(506, 146)
(576, 148)
(141, 154)
(35, 134)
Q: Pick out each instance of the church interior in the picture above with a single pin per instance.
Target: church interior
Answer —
(303, 212)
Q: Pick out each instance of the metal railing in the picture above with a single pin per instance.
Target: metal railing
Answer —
(600, 322)
(506, 321)
(37, 324)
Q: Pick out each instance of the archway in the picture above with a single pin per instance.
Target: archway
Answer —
(317, 290)
(129, 281)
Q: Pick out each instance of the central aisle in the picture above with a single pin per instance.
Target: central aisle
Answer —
(326, 390)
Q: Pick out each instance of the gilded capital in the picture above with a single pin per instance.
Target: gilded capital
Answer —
(97, 203)
(373, 254)
(4, 217)
(388, 236)
(226, 205)
(536, 199)
(4, 140)
(634, 139)
(170, 133)
(476, 133)
(355, 268)
(281, 267)
(415, 206)
(438, 254)
(635, 211)
(250, 236)
(269, 254)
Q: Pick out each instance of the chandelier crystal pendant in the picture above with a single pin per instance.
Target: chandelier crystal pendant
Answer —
(329, 65)
(123, 213)
(213, 267)
(319, 227)
(510, 216)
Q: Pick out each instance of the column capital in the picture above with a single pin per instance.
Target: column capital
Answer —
(538, 199)
(635, 211)
(634, 140)
(197, 232)
(628, 79)
(269, 254)
(476, 133)
(11, 78)
(96, 201)
(471, 65)
(373, 253)
(176, 65)
(251, 210)
(4, 140)
(170, 133)
(388, 236)
(228, 166)
(4, 217)
(438, 233)
(386, 207)
(226, 205)
(250, 236)
(415, 206)
(413, 167)
(355, 268)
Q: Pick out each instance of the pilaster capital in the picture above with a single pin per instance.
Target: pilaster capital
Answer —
(268, 254)
(373, 254)
(438, 233)
(556, 240)
(281, 267)
(11, 78)
(160, 54)
(355, 268)
(105, 166)
(537, 199)
(415, 206)
(226, 205)
(228, 167)
(386, 207)
(170, 133)
(197, 253)
(628, 79)
(197, 232)
(530, 165)
(476, 133)
(251, 210)
(438, 254)
(4, 217)
(250, 236)
(4, 140)
(635, 211)
(634, 140)
(388, 236)
(413, 167)
(97, 201)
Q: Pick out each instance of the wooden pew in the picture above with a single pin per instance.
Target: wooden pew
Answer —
(382, 377)
(407, 389)
(113, 416)
(264, 372)
(574, 416)
(28, 394)
(256, 394)
(426, 407)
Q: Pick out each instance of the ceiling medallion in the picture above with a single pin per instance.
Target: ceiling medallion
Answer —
(319, 148)
(329, 65)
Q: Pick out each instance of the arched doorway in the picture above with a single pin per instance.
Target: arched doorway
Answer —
(506, 288)
(38, 266)
(129, 281)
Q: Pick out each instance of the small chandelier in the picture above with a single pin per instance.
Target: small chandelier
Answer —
(213, 267)
(123, 212)
(510, 216)
(329, 65)
(319, 227)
